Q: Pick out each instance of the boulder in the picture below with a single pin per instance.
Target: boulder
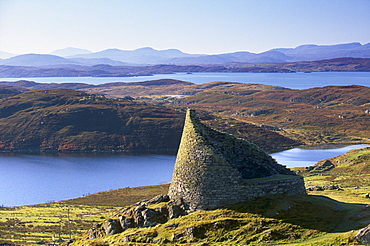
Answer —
(330, 187)
(158, 199)
(139, 220)
(163, 210)
(94, 231)
(175, 211)
(363, 235)
(149, 216)
(126, 222)
(314, 188)
(112, 227)
(190, 231)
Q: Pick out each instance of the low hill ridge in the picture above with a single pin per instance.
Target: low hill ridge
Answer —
(68, 120)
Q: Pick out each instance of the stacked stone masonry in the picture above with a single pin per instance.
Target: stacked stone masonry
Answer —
(214, 169)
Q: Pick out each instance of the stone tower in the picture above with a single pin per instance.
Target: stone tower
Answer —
(214, 169)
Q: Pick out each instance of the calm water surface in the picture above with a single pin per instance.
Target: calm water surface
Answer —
(288, 80)
(32, 179)
(299, 157)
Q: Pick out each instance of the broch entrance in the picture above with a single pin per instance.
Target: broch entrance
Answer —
(214, 169)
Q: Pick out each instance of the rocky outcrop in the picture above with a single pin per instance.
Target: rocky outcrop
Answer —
(112, 227)
(326, 166)
(141, 214)
(214, 169)
(323, 187)
(363, 235)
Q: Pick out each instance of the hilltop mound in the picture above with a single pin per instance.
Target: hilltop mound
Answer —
(269, 220)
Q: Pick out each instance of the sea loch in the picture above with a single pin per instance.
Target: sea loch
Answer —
(38, 178)
(288, 80)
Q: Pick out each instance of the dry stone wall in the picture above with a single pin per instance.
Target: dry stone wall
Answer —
(214, 169)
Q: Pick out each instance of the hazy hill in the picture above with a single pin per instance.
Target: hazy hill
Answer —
(95, 61)
(5, 55)
(147, 55)
(144, 55)
(70, 51)
(36, 60)
(300, 53)
(316, 52)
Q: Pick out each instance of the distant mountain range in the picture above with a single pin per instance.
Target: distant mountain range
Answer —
(64, 69)
(150, 56)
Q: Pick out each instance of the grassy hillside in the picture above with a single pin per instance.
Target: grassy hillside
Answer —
(349, 170)
(283, 117)
(64, 120)
(270, 220)
(311, 116)
(68, 120)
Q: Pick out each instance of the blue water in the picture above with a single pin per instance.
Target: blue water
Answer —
(34, 178)
(304, 157)
(38, 178)
(288, 80)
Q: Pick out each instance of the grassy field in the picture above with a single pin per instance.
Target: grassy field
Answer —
(43, 223)
(28, 225)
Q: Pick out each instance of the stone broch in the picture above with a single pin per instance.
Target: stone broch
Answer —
(214, 169)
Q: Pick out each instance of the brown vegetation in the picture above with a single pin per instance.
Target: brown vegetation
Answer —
(67, 120)
(269, 116)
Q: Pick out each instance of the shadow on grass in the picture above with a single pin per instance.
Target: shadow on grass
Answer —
(308, 211)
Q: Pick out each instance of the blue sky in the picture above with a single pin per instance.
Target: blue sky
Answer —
(193, 26)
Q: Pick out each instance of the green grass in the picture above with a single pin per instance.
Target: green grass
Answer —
(28, 225)
(269, 220)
